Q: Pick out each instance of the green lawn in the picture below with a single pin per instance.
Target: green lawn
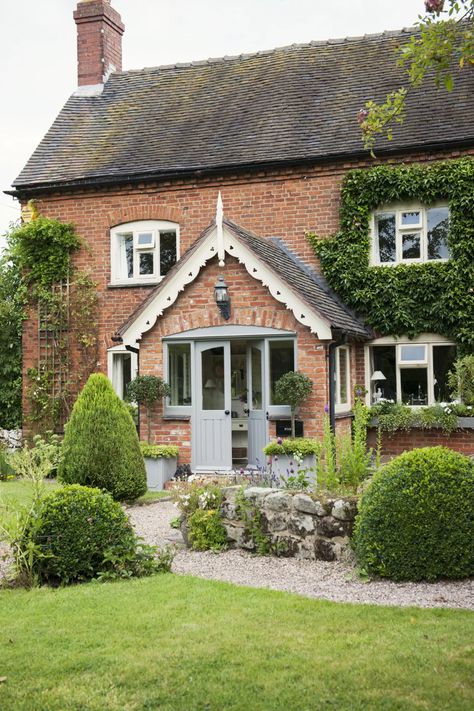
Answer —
(174, 643)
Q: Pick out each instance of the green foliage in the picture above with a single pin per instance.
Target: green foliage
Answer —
(445, 39)
(461, 380)
(147, 390)
(304, 446)
(158, 451)
(76, 529)
(416, 519)
(391, 417)
(100, 446)
(42, 250)
(190, 497)
(12, 314)
(206, 531)
(434, 297)
(292, 389)
(251, 515)
(6, 469)
(40, 460)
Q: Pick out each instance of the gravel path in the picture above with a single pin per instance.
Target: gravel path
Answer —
(318, 579)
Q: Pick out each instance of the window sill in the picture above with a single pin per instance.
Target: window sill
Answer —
(342, 414)
(132, 284)
(184, 418)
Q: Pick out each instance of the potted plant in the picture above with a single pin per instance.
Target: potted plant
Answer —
(147, 390)
(291, 457)
(291, 389)
(160, 463)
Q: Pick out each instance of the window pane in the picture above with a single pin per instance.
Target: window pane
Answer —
(341, 385)
(385, 226)
(443, 359)
(413, 353)
(145, 239)
(212, 364)
(384, 361)
(256, 378)
(127, 242)
(414, 383)
(411, 218)
(438, 226)
(282, 360)
(146, 263)
(179, 373)
(411, 246)
(168, 253)
(121, 372)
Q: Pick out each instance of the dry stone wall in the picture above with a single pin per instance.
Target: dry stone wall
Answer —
(303, 526)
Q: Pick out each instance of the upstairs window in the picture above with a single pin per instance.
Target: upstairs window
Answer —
(407, 234)
(143, 252)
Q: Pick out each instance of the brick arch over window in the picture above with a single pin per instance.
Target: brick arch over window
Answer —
(145, 212)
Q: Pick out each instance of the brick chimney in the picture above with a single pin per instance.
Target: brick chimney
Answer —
(99, 41)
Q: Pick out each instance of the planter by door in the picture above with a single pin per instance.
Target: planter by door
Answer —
(158, 471)
(285, 465)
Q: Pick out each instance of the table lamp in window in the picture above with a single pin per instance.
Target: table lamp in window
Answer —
(377, 377)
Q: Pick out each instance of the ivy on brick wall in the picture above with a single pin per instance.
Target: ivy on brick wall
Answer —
(435, 297)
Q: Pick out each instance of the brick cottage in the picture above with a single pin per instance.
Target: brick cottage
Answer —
(194, 187)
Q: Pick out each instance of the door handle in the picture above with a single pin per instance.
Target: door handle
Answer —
(227, 412)
(246, 410)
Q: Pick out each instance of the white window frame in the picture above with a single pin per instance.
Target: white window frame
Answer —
(400, 230)
(113, 368)
(186, 410)
(117, 257)
(277, 411)
(429, 340)
(339, 405)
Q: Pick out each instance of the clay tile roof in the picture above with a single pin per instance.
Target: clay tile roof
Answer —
(288, 104)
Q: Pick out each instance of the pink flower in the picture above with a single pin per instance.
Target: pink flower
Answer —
(435, 6)
(362, 115)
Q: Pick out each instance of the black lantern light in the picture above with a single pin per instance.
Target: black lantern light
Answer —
(222, 298)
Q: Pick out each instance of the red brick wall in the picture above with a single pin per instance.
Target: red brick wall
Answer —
(285, 203)
(252, 304)
(398, 442)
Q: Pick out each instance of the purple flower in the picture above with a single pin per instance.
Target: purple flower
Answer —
(279, 440)
(326, 408)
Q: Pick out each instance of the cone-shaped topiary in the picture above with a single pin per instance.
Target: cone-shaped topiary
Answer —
(101, 446)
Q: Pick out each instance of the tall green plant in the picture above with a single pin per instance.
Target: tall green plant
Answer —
(461, 380)
(148, 390)
(292, 389)
(100, 446)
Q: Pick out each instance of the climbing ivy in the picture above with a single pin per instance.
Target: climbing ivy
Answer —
(38, 262)
(435, 297)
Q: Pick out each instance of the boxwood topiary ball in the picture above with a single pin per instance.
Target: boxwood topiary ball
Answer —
(77, 527)
(416, 520)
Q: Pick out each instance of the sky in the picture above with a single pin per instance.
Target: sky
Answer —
(38, 50)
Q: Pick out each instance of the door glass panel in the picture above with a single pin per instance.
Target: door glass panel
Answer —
(443, 360)
(212, 369)
(386, 236)
(342, 390)
(438, 226)
(256, 378)
(282, 360)
(414, 383)
(179, 369)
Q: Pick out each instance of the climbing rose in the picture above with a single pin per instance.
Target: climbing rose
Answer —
(434, 6)
(362, 115)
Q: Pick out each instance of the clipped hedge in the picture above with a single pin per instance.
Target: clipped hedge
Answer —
(101, 446)
(78, 531)
(303, 446)
(416, 520)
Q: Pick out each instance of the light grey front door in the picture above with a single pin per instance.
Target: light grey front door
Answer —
(257, 421)
(212, 423)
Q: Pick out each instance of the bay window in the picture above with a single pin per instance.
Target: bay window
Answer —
(412, 373)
